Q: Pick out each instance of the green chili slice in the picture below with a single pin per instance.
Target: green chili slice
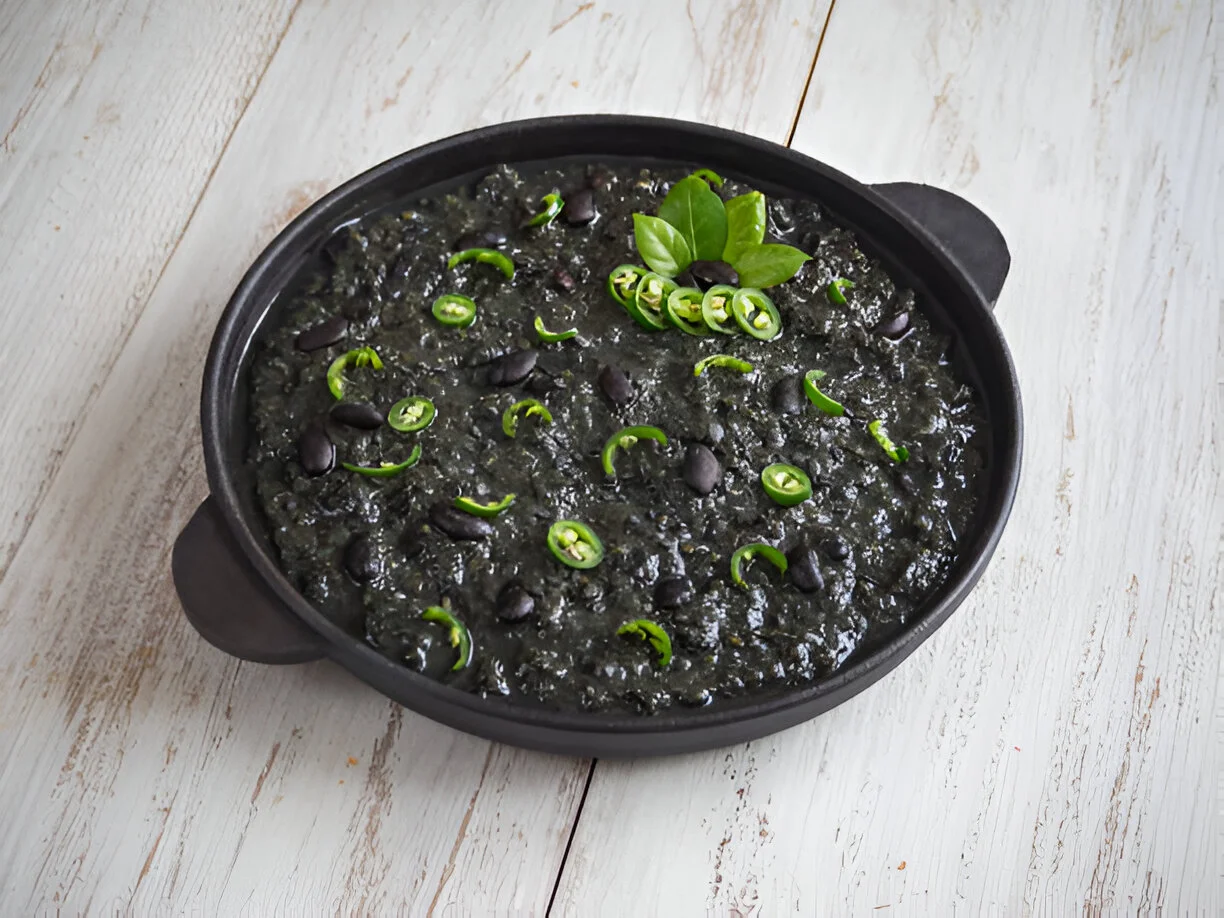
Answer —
(527, 408)
(747, 553)
(411, 413)
(623, 283)
(457, 631)
(756, 313)
(786, 484)
(574, 544)
(386, 469)
(484, 256)
(455, 310)
(721, 360)
(623, 439)
(552, 337)
(684, 311)
(895, 453)
(552, 206)
(361, 357)
(649, 631)
(647, 305)
(716, 310)
(491, 509)
(818, 398)
(710, 176)
(836, 288)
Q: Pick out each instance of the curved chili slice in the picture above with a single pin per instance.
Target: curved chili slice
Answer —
(527, 408)
(456, 630)
(359, 357)
(386, 469)
(484, 256)
(746, 553)
(623, 439)
(649, 631)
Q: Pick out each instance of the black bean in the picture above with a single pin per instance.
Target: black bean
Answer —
(836, 548)
(488, 239)
(803, 568)
(514, 603)
(326, 333)
(361, 559)
(615, 385)
(709, 273)
(579, 207)
(894, 327)
(563, 280)
(788, 395)
(357, 308)
(672, 593)
(361, 415)
(316, 452)
(512, 368)
(457, 524)
(701, 469)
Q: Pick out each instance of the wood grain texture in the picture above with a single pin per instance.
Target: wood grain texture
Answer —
(140, 770)
(1052, 749)
(111, 119)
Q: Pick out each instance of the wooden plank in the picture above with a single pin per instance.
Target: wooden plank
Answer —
(111, 119)
(1050, 751)
(142, 771)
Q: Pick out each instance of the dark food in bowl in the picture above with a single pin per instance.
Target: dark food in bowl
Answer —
(541, 545)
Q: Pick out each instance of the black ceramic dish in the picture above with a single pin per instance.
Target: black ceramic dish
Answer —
(225, 568)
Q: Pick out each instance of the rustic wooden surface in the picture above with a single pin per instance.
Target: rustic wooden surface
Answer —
(1055, 747)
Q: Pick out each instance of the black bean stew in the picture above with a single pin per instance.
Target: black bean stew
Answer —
(609, 520)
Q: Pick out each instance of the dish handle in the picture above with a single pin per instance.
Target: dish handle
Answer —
(227, 603)
(962, 231)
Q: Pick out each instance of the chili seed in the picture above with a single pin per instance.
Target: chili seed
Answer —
(361, 415)
(709, 273)
(672, 593)
(316, 452)
(488, 239)
(512, 368)
(803, 568)
(579, 207)
(895, 327)
(615, 385)
(514, 603)
(326, 333)
(701, 469)
(457, 524)
(788, 395)
(361, 559)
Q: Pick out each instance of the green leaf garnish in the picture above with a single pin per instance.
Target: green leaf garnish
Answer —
(745, 224)
(768, 264)
(661, 245)
(697, 212)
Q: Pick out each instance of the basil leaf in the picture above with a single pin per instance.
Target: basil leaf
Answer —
(768, 264)
(661, 245)
(745, 224)
(697, 211)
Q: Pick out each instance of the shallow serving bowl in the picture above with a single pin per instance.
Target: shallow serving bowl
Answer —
(225, 567)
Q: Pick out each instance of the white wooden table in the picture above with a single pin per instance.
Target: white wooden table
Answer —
(1055, 748)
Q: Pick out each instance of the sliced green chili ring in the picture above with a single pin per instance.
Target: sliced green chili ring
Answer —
(491, 509)
(456, 630)
(574, 544)
(716, 310)
(895, 453)
(684, 311)
(710, 176)
(649, 299)
(455, 310)
(552, 337)
(649, 631)
(818, 398)
(484, 256)
(836, 288)
(756, 313)
(721, 360)
(527, 408)
(360, 357)
(411, 414)
(623, 282)
(786, 484)
(623, 439)
(552, 206)
(747, 553)
(386, 469)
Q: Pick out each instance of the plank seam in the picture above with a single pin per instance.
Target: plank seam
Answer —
(790, 136)
(569, 842)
